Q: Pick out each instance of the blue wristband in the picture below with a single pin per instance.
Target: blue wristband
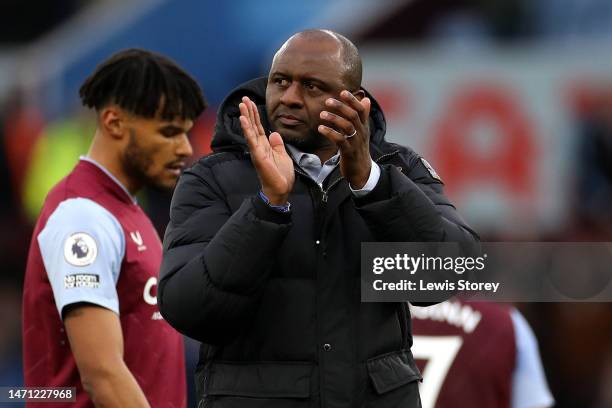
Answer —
(280, 208)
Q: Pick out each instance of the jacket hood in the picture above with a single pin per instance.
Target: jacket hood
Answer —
(228, 133)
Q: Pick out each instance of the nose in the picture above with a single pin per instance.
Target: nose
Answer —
(292, 96)
(184, 148)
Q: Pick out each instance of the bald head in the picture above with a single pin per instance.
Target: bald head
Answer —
(310, 68)
(336, 45)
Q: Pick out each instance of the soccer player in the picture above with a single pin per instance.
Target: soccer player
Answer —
(477, 354)
(90, 316)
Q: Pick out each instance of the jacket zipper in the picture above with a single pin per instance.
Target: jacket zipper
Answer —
(317, 215)
(324, 193)
(317, 209)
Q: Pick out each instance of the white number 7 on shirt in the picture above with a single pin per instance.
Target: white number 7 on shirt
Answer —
(439, 353)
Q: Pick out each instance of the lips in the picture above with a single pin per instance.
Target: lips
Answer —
(175, 168)
(289, 120)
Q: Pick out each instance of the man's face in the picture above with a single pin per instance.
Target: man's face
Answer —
(303, 75)
(156, 151)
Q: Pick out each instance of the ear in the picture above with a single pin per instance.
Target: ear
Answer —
(359, 94)
(112, 121)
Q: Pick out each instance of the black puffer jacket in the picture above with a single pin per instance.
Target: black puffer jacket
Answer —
(275, 298)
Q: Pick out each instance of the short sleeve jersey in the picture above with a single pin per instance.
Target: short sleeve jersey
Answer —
(94, 244)
(477, 354)
(82, 247)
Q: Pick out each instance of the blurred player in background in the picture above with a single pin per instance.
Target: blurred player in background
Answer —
(477, 354)
(90, 316)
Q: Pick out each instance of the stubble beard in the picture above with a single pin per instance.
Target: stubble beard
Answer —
(136, 162)
(311, 143)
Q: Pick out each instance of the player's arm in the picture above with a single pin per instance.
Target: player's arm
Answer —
(529, 385)
(82, 247)
(96, 341)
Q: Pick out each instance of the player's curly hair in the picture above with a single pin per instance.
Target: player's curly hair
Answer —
(143, 83)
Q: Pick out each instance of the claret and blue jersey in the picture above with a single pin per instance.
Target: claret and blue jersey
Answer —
(94, 244)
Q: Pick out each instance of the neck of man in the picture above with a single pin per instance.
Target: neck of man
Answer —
(105, 153)
(327, 152)
(324, 152)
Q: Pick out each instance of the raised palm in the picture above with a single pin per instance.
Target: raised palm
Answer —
(272, 163)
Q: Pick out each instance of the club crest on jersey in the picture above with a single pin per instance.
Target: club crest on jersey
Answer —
(431, 170)
(80, 249)
(137, 238)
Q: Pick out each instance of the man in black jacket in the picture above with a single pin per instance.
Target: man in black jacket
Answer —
(262, 253)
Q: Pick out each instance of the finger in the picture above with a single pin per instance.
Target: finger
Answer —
(344, 110)
(247, 123)
(253, 115)
(245, 111)
(276, 142)
(247, 103)
(367, 105)
(259, 132)
(247, 129)
(258, 124)
(332, 135)
(354, 103)
(338, 123)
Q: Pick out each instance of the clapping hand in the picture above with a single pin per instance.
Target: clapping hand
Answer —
(346, 125)
(272, 163)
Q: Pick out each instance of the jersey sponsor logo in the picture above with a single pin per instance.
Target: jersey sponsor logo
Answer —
(430, 169)
(80, 249)
(146, 293)
(82, 280)
(150, 299)
(137, 238)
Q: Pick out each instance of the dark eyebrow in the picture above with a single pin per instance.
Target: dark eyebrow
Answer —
(312, 79)
(318, 82)
(303, 78)
(306, 78)
(173, 129)
(278, 74)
